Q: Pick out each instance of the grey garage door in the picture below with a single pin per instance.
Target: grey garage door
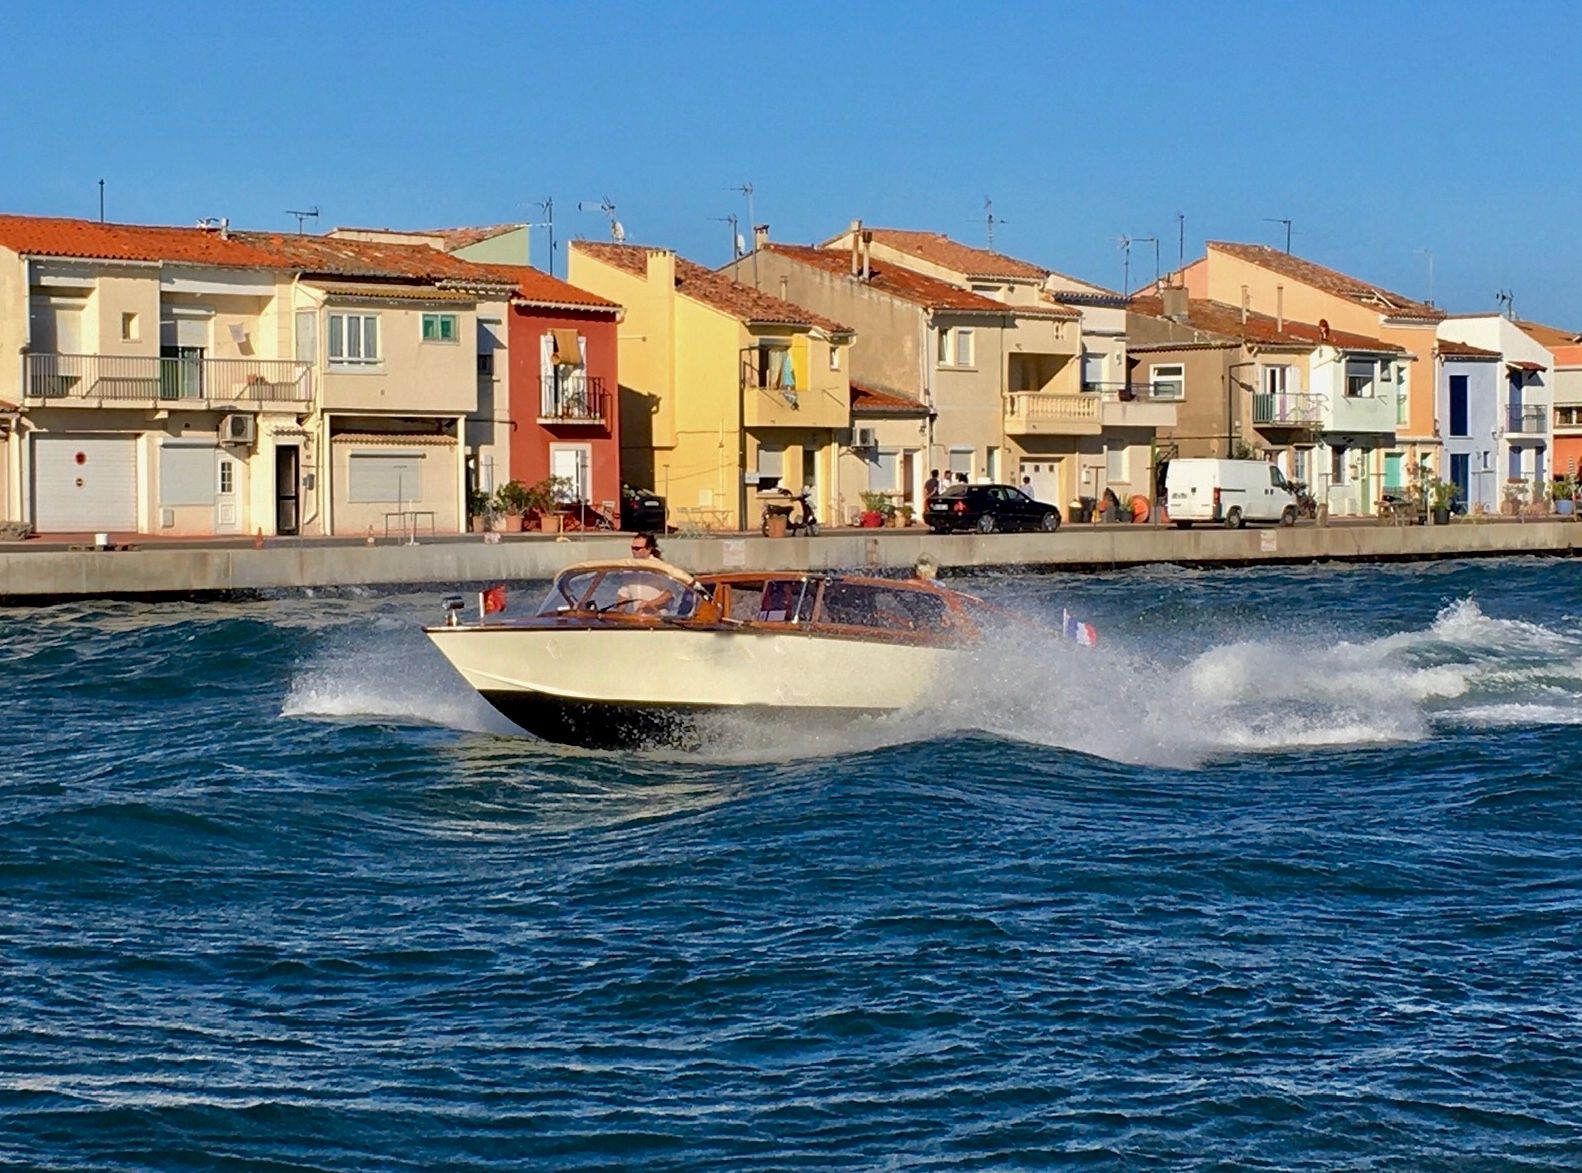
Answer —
(84, 483)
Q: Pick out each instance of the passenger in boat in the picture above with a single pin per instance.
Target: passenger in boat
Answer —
(926, 568)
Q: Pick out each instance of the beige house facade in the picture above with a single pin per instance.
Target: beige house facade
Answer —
(1071, 426)
(199, 381)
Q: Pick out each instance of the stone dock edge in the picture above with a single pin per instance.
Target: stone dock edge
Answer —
(33, 575)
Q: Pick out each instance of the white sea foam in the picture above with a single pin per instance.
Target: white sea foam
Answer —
(1139, 697)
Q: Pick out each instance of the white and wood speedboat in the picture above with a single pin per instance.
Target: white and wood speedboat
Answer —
(636, 652)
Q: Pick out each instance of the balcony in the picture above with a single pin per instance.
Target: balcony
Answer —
(1359, 414)
(102, 380)
(1138, 405)
(1282, 409)
(573, 399)
(1526, 422)
(1044, 413)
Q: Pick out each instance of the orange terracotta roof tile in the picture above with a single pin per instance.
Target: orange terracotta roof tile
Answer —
(963, 258)
(929, 292)
(870, 400)
(1391, 305)
(742, 302)
(1215, 317)
(1568, 356)
(362, 258)
(1449, 349)
(456, 238)
(48, 236)
(393, 291)
(1550, 336)
(537, 287)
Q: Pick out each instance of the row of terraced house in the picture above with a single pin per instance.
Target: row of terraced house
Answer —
(205, 380)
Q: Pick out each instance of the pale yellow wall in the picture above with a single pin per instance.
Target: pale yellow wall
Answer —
(119, 292)
(970, 401)
(13, 323)
(413, 377)
(440, 470)
(645, 337)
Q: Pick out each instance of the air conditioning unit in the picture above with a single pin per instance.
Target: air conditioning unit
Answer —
(238, 429)
(866, 438)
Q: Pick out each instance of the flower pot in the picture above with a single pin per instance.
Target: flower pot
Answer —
(475, 523)
(897, 521)
(1442, 515)
(551, 523)
(1565, 506)
(873, 519)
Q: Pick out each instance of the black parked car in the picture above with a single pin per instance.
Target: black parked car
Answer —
(987, 508)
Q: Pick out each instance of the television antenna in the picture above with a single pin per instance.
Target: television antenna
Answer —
(302, 215)
(1180, 240)
(547, 205)
(746, 188)
(1287, 223)
(617, 229)
(1508, 300)
(1429, 253)
(990, 220)
(738, 245)
(1125, 243)
(1152, 239)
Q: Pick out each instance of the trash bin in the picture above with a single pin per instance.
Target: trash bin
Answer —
(1081, 510)
(643, 512)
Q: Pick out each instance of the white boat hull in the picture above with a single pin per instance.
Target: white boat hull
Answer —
(619, 686)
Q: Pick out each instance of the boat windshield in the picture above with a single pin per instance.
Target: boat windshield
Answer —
(619, 591)
(861, 604)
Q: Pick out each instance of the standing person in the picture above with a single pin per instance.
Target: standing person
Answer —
(1027, 487)
(931, 486)
(961, 478)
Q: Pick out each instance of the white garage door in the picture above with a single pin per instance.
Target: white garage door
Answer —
(84, 484)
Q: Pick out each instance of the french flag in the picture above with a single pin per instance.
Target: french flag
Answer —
(1075, 629)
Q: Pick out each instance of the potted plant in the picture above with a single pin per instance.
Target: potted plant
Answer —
(1565, 495)
(903, 516)
(478, 505)
(542, 497)
(876, 509)
(1515, 497)
(512, 499)
(1441, 496)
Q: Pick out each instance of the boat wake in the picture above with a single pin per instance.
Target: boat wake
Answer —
(1139, 698)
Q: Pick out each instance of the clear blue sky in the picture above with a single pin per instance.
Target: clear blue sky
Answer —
(1380, 129)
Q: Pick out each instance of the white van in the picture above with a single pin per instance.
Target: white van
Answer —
(1227, 492)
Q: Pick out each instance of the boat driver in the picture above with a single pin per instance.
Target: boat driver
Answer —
(643, 597)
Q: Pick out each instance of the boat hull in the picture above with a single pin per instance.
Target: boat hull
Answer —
(625, 686)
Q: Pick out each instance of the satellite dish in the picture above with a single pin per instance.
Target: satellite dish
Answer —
(618, 231)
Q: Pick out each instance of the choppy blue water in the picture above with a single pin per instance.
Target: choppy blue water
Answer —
(1285, 874)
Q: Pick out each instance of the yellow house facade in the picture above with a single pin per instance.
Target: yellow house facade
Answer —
(728, 395)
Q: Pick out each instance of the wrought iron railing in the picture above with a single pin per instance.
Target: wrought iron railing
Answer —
(1290, 408)
(573, 399)
(142, 379)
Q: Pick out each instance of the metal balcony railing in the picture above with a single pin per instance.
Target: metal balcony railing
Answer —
(1295, 409)
(143, 379)
(1526, 421)
(1168, 389)
(573, 399)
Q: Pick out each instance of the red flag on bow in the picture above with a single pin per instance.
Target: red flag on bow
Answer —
(492, 600)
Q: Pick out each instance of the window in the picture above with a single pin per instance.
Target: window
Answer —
(884, 470)
(834, 357)
(771, 467)
(227, 476)
(490, 334)
(1401, 403)
(1300, 460)
(439, 328)
(186, 474)
(354, 339)
(1359, 377)
(943, 357)
(1092, 370)
(961, 462)
(1275, 379)
(1169, 380)
(1115, 464)
(963, 348)
(1458, 405)
(129, 328)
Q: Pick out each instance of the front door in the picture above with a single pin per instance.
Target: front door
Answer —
(1461, 476)
(1392, 472)
(287, 513)
(227, 510)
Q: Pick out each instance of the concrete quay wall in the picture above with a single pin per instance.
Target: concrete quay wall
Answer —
(39, 575)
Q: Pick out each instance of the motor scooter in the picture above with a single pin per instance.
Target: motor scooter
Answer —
(796, 522)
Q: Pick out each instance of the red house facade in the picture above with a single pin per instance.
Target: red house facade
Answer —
(562, 387)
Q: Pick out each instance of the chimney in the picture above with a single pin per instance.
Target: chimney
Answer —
(785, 285)
(856, 246)
(867, 248)
(1244, 300)
(225, 228)
(1176, 302)
(661, 269)
(1279, 309)
(760, 236)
